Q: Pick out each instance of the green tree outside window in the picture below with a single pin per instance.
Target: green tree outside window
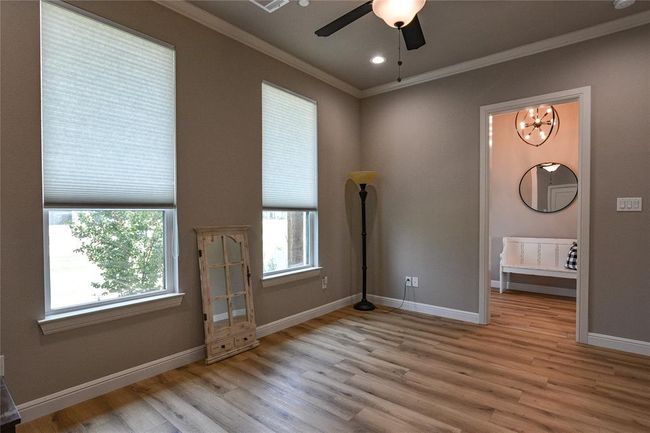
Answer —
(126, 245)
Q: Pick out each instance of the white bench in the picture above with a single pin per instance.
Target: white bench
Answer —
(534, 256)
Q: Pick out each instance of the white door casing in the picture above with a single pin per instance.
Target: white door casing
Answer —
(583, 96)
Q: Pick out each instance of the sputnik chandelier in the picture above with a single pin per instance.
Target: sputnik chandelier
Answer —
(535, 125)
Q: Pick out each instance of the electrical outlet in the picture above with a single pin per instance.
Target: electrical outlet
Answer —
(415, 281)
(323, 282)
(408, 281)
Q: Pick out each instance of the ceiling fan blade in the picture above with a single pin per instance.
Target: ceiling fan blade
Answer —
(344, 20)
(413, 36)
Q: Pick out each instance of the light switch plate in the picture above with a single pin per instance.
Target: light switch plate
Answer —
(629, 204)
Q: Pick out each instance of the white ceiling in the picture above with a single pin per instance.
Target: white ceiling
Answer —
(455, 31)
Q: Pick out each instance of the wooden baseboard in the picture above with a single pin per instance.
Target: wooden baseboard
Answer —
(304, 316)
(619, 343)
(535, 288)
(67, 397)
(433, 310)
(76, 394)
(60, 400)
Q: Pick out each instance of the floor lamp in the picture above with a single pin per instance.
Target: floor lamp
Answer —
(363, 178)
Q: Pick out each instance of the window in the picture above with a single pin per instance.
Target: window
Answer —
(108, 133)
(290, 184)
(288, 240)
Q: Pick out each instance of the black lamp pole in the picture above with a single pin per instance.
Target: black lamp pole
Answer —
(364, 304)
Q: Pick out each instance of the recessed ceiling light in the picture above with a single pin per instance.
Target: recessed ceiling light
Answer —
(622, 4)
(378, 60)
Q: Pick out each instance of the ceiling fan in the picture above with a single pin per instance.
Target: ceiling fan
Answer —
(401, 14)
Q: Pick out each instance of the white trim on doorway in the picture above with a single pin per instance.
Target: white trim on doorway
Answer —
(583, 96)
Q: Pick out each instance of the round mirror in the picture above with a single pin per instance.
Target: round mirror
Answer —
(548, 187)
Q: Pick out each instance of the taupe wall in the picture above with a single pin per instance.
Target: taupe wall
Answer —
(219, 182)
(510, 159)
(423, 214)
(424, 141)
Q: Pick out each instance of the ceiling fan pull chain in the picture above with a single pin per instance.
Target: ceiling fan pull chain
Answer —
(399, 55)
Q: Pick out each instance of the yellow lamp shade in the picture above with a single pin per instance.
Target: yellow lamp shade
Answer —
(363, 177)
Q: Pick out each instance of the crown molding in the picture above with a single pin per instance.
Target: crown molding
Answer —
(571, 38)
(213, 22)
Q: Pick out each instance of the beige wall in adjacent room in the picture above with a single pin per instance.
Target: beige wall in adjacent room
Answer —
(219, 182)
(510, 159)
(424, 141)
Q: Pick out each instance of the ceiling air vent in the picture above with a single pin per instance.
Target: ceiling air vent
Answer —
(270, 5)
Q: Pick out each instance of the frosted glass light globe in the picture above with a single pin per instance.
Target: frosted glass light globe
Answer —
(397, 11)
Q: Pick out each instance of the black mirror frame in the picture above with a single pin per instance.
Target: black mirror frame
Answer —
(541, 211)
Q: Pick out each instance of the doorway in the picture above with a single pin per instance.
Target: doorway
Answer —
(581, 97)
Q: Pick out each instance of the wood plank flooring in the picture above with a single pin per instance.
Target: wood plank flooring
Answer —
(392, 371)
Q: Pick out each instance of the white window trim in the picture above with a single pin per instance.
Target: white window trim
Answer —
(171, 282)
(291, 276)
(104, 313)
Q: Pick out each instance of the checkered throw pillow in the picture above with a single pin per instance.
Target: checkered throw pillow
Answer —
(572, 259)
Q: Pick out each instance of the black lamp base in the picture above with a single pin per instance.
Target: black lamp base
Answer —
(364, 305)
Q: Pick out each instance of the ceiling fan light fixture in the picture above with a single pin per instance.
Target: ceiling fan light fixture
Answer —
(397, 13)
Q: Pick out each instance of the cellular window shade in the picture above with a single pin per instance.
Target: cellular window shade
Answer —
(108, 113)
(289, 150)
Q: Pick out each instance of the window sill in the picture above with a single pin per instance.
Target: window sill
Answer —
(91, 316)
(287, 277)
